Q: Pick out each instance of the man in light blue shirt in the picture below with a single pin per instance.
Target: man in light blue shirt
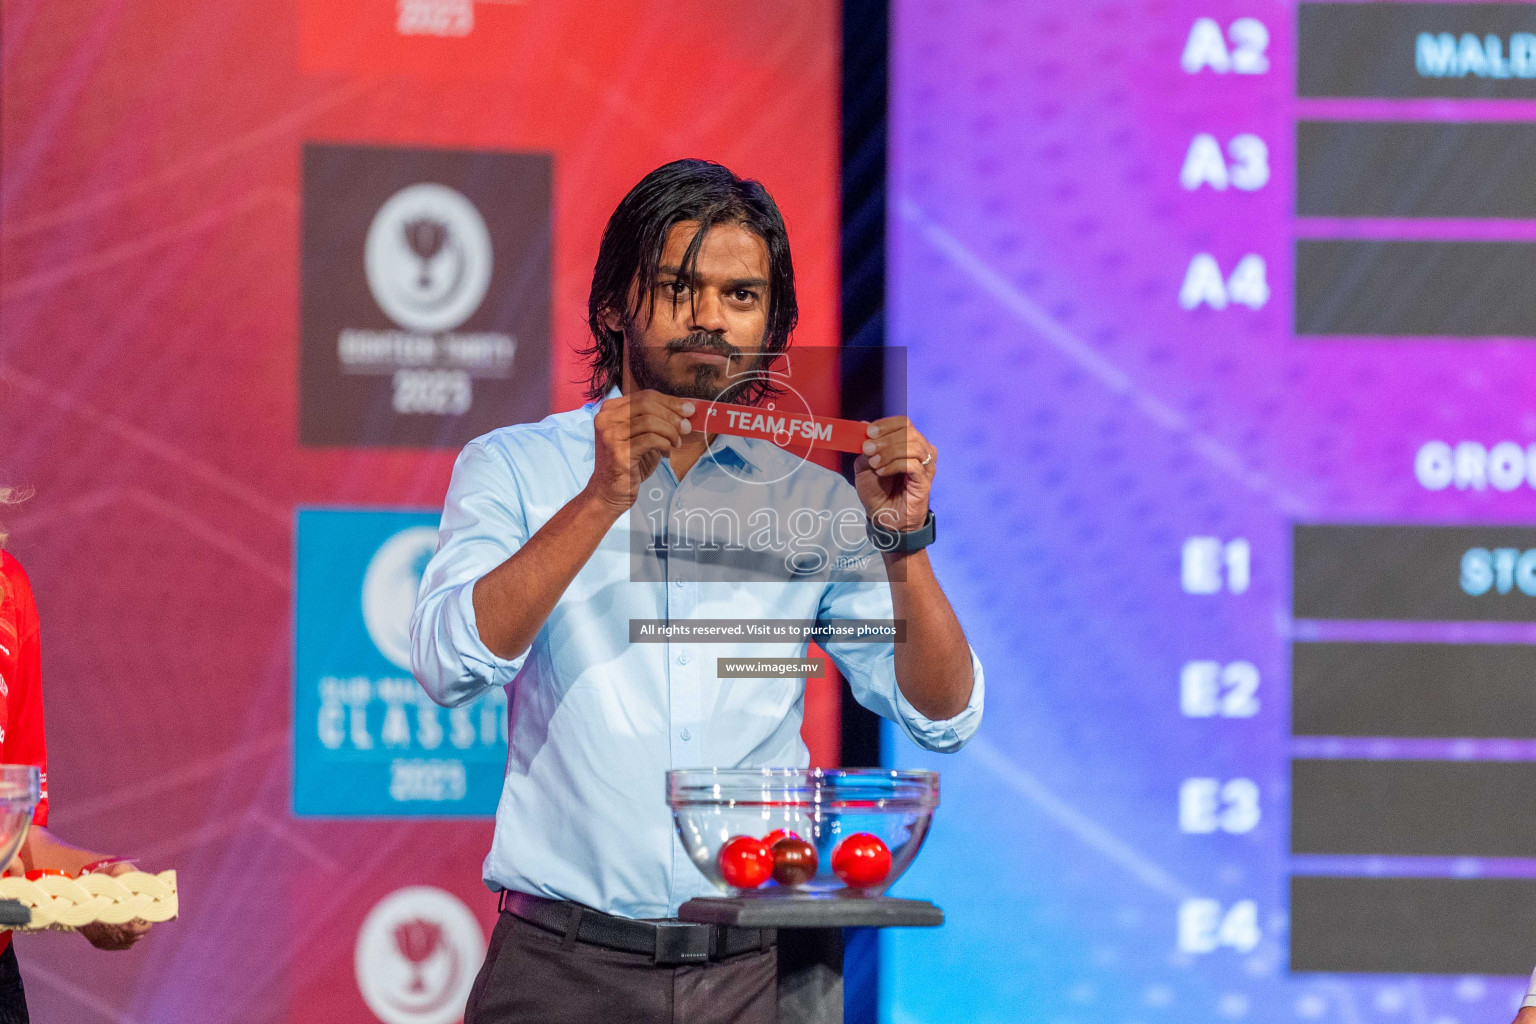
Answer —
(556, 536)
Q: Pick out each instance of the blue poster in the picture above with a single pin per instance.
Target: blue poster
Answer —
(367, 740)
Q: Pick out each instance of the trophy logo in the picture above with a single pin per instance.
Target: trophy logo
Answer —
(417, 954)
(389, 591)
(428, 258)
(418, 941)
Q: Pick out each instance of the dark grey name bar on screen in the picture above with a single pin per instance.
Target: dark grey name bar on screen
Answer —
(1413, 925)
(1354, 287)
(1425, 573)
(1413, 808)
(1392, 689)
(1415, 169)
(1416, 49)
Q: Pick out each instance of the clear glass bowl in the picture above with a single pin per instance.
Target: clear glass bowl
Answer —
(714, 805)
(20, 788)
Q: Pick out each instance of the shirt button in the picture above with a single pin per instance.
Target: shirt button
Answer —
(683, 659)
(685, 735)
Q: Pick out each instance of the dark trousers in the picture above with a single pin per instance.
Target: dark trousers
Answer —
(13, 999)
(533, 975)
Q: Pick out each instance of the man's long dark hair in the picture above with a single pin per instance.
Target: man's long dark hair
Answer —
(684, 190)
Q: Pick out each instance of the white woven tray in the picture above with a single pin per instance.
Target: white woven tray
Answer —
(65, 904)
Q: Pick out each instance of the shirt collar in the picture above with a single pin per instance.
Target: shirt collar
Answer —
(738, 449)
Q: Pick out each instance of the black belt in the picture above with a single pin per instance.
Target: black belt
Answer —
(667, 942)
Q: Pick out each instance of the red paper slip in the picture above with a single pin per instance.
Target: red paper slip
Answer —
(785, 429)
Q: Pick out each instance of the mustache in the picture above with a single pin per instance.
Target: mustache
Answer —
(703, 342)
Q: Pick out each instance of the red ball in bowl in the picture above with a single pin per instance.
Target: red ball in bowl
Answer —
(777, 834)
(861, 860)
(745, 862)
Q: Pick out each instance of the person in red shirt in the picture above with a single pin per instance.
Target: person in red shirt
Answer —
(22, 742)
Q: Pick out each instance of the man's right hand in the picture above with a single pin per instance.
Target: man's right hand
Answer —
(1527, 1015)
(633, 432)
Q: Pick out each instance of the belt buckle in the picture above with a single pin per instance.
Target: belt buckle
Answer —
(678, 942)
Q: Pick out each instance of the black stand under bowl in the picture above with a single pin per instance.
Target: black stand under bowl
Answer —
(811, 939)
(14, 914)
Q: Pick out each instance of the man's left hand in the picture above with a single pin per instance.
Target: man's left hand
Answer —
(895, 473)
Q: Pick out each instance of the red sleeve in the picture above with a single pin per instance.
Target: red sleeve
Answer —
(24, 741)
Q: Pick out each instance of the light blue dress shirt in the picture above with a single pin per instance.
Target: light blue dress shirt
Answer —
(595, 720)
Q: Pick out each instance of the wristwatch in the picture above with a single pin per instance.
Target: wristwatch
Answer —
(902, 542)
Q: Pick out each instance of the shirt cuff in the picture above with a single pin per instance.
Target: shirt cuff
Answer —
(950, 734)
(486, 665)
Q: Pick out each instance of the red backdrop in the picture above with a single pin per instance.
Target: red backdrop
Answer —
(149, 217)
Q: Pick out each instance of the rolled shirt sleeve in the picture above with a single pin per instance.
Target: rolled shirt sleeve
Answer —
(480, 529)
(870, 669)
(1530, 993)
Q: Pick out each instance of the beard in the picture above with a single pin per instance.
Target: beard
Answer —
(703, 382)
